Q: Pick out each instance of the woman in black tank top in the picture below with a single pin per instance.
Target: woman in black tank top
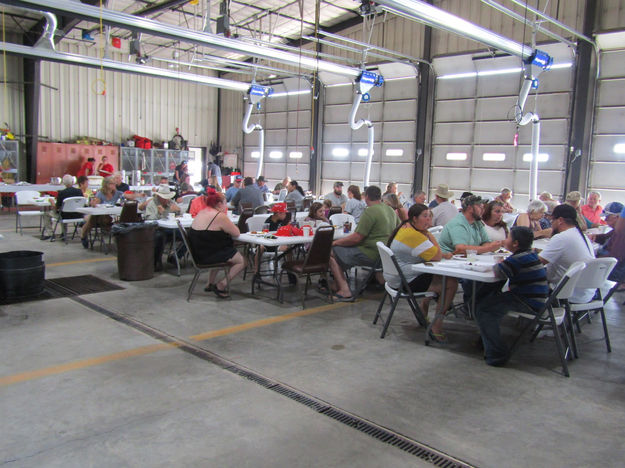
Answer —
(211, 239)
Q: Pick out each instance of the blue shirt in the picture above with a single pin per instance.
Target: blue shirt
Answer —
(231, 192)
(527, 276)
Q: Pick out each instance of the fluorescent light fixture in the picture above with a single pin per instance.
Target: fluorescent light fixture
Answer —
(255, 154)
(619, 148)
(275, 154)
(340, 152)
(364, 152)
(454, 76)
(456, 156)
(494, 156)
(394, 152)
(542, 157)
(503, 71)
(290, 93)
(296, 155)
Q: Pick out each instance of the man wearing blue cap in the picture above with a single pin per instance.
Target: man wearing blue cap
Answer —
(610, 214)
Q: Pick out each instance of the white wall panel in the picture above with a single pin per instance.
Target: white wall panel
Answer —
(607, 168)
(455, 111)
(133, 104)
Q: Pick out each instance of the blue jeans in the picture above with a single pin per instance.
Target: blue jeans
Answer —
(488, 315)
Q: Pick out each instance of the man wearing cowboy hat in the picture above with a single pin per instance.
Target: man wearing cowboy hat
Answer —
(159, 207)
(444, 211)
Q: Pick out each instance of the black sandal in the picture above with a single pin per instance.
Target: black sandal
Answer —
(220, 293)
(209, 288)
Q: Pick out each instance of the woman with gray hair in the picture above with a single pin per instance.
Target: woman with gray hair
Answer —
(535, 213)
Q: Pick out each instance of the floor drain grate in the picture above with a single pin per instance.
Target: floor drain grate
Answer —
(380, 433)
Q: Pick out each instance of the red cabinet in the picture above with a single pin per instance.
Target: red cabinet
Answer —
(58, 159)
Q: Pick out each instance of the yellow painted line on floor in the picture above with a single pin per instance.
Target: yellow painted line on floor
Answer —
(143, 350)
(265, 322)
(83, 363)
(84, 260)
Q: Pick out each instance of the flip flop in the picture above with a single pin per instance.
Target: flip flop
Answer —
(221, 294)
(339, 298)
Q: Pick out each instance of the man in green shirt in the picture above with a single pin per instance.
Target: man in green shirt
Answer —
(376, 223)
(466, 231)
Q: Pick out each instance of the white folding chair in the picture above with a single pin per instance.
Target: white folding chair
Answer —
(390, 266)
(256, 222)
(593, 277)
(25, 198)
(436, 231)
(186, 199)
(554, 317)
(340, 219)
(69, 206)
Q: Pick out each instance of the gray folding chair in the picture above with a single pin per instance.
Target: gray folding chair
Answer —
(556, 318)
(390, 266)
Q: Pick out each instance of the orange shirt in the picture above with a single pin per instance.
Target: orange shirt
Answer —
(594, 216)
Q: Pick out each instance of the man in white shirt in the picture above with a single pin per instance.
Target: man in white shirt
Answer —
(337, 197)
(567, 246)
(444, 211)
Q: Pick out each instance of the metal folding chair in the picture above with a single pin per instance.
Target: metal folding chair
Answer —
(69, 206)
(390, 266)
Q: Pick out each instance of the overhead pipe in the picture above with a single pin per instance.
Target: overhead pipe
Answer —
(107, 64)
(365, 81)
(254, 95)
(47, 37)
(155, 28)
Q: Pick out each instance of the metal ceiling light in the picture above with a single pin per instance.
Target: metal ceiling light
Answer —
(155, 28)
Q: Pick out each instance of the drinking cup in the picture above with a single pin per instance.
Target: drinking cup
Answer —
(471, 255)
(266, 227)
(171, 216)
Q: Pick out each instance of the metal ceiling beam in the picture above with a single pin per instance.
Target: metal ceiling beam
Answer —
(425, 13)
(94, 62)
(158, 7)
(257, 8)
(156, 28)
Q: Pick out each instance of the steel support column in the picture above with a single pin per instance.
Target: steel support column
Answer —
(580, 132)
(424, 112)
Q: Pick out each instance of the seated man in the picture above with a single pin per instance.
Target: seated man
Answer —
(337, 197)
(68, 192)
(377, 223)
(504, 197)
(123, 187)
(527, 294)
(611, 214)
(615, 247)
(592, 210)
(248, 194)
(159, 207)
(443, 211)
(234, 188)
(466, 232)
(567, 246)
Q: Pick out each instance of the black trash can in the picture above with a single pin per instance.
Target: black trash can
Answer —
(135, 250)
(22, 274)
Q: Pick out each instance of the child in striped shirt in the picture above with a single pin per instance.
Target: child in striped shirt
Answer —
(528, 292)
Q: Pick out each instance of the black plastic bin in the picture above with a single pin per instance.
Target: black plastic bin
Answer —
(22, 274)
(135, 250)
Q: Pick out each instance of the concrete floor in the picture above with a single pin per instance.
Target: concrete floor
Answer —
(80, 389)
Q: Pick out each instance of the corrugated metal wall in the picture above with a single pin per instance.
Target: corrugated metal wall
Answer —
(12, 94)
(133, 104)
(230, 118)
(611, 15)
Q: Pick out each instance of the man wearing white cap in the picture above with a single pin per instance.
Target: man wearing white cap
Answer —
(444, 211)
(159, 207)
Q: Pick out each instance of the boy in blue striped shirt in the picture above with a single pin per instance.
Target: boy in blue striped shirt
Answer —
(528, 292)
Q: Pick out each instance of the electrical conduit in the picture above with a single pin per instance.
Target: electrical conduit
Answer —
(370, 134)
(247, 128)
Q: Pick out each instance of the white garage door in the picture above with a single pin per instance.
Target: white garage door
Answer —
(607, 166)
(473, 138)
(286, 120)
(393, 111)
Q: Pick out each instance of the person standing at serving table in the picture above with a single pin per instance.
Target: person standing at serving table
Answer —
(87, 168)
(105, 169)
(211, 238)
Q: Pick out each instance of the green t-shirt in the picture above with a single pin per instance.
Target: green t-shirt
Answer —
(376, 224)
(460, 231)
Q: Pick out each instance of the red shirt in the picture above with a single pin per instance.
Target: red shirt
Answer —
(106, 170)
(197, 205)
(594, 216)
(86, 169)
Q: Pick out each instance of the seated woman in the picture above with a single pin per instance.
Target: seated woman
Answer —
(107, 195)
(295, 193)
(327, 204)
(316, 215)
(355, 204)
(532, 219)
(412, 243)
(392, 201)
(495, 227)
(211, 240)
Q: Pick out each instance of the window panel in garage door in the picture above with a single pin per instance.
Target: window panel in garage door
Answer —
(393, 111)
(286, 120)
(474, 115)
(607, 163)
